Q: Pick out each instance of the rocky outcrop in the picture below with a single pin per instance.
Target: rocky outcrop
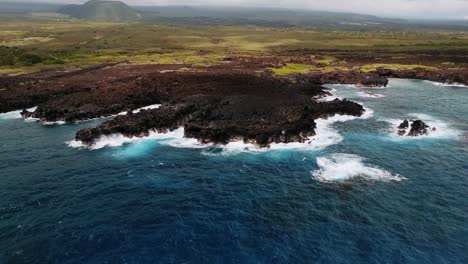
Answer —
(220, 108)
(441, 76)
(403, 127)
(219, 120)
(416, 129)
(370, 79)
(93, 100)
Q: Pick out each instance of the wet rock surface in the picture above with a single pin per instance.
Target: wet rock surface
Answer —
(403, 127)
(439, 76)
(217, 103)
(256, 109)
(416, 129)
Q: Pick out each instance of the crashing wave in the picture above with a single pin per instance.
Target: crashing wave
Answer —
(448, 84)
(47, 123)
(15, 114)
(442, 129)
(62, 122)
(367, 87)
(325, 136)
(344, 167)
(328, 98)
(117, 140)
(136, 111)
(370, 95)
(358, 86)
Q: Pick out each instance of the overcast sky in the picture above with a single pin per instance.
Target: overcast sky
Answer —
(448, 9)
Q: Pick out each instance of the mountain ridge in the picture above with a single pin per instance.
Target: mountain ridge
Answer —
(102, 10)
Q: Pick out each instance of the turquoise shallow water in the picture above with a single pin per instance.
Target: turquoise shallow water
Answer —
(371, 197)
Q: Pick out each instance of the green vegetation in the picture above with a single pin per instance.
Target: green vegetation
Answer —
(374, 67)
(324, 60)
(43, 41)
(292, 68)
(86, 36)
(20, 57)
(335, 69)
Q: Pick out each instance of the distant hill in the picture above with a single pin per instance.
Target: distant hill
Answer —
(106, 10)
(102, 11)
(25, 8)
(278, 17)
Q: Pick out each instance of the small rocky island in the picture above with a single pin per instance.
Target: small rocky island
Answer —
(416, 129)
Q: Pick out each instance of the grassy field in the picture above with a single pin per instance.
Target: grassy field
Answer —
(75, 43)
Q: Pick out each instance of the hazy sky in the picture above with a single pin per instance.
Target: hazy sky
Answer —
(449, 9)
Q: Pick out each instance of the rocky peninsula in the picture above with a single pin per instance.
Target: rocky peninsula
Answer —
(214, 104)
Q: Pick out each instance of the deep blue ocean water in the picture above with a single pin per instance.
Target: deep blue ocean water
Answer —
(370, 198)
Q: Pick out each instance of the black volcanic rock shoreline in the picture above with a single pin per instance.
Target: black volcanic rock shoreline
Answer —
(220, 120)
(214, 105)
(218, 108)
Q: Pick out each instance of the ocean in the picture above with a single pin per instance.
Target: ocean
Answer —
(357, 194)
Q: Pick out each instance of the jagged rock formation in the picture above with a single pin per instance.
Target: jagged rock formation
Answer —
(260, 110)
(416, 129)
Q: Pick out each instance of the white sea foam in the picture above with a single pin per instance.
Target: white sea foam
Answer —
(343, 167)
(328, 98)
(325, 136)
(370, 95)
(62, 122)
(117, 140)
(136, 111)
(448, 84)
(368, 87)
(442, 129)
(47, 123)
(358, 86)
(15, 114)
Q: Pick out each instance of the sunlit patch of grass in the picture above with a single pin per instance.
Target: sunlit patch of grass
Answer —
(293, 68)
(242, 43)
(374, 67)
(324, 60)
(175, 58)
(335, 69)
(17, 71)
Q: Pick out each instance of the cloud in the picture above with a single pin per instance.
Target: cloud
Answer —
(396, 8)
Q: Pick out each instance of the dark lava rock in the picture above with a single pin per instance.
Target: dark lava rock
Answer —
(402, 128)
(442, 76)
(256, 109)
(418, 128)
(220, 120)
(369, 79)
(404, 125)
(372, 81)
